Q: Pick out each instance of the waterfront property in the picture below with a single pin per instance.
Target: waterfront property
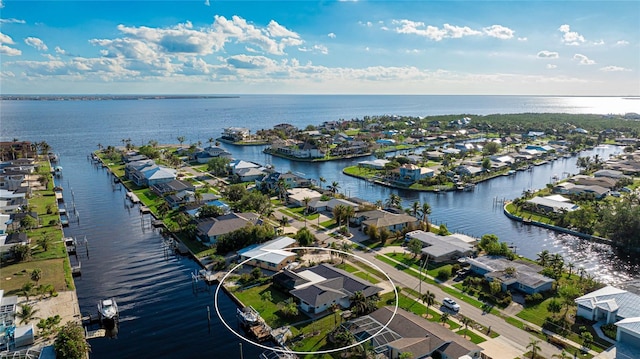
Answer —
(551, 204)
(208, 153)
(235, 134)
(148, 173)
(210, 229)
(319, 287)
(383, 219)
(441, 248)
(618, 306)
(408, 333)
(517, 274)
(297, 196)
(271, 255)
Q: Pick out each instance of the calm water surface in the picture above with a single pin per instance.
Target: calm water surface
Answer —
(161, 317)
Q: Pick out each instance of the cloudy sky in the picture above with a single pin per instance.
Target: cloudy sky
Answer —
(320, 47)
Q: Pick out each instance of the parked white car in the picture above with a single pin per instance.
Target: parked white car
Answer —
(451, 304)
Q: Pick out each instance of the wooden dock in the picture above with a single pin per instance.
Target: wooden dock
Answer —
(133, 198)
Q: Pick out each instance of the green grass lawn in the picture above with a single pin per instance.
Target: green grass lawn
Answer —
(348, 267)
(471, 336)
(363, 172)
(268, 309)
(14, 276)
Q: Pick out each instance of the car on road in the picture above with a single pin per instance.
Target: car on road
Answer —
(451, 304)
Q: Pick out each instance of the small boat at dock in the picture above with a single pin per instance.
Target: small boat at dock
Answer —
(108, 308)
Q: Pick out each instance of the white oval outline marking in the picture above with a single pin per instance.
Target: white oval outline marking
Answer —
(279, 350)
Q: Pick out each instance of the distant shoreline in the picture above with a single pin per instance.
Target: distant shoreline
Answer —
(108, 97)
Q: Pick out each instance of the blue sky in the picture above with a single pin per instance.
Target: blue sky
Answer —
(320, 47)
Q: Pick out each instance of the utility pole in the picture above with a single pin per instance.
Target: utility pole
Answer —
(424, 265)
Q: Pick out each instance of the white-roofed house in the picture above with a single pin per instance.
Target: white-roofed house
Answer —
(441, 248)
(271, 255)
(296, 196)
(551, 204)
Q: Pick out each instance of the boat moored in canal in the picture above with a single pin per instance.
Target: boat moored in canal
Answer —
(108, 308)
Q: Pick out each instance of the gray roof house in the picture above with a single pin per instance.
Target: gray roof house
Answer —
(441, 248)
(408, 333)
(318, 287)
(615, 305)
(210, 229)
(526, 278)
(379, 218)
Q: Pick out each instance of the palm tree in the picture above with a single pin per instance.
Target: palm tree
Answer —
(181, 139)
(338, 213)
(26, 289)
(415, 208)
(426, 211)
(306, 201)
(334, 187)
(36, 275)
(358, 302)
(348, 213)
(466, 321)
(562, 355)
(543, 258)
(27, 313)
(429, 299)
(444, 317)
(345, 249)
(283, 222)
(322, 180)
(535, 347)
(570, 266)
(44, 241)
(394, 201)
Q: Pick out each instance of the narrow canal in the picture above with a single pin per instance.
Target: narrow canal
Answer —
(161, 316)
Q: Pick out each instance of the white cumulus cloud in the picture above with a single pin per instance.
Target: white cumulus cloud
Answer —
(522, 39)
(36, 43)
(499, 31)
(570, 37)
(551, 66)
(331, 35)
(60, 51)
(277, 30)
(7, 50)
(11, 21)
(622, 43)
(583, 60)
(613, 69)
(6, 39)
(544, 54)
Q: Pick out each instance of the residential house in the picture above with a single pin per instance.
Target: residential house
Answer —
(235, 134)
(386, 142)
(193, 209)
(237, 165)
(133, 156)
(175, 186)
(410, 173)
(318, 288)
(526, 277)
(576, 189)
(306, 149)
(250, 174)
(584, 180)
(4, 218)
(209, 153)
(540, 148)
(12, 201)
(296, 196)
(392, 333)
(551, 204)
(317, 205)
(441, 248)
(383, 219)
(15, 219)
(14, 238)
(377, 164)
(610, 174)
(8, 305)
(11, 180)
(533, 135)
(151, 175)
(271, 255)
(209, 230)
(290, 180)
(468, 170)
(342, 137)
(611, 305)
(351, 148)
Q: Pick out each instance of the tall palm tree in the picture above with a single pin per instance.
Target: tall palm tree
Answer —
(425, 211)
(27, 313)
(535, 347)
(570, 266)
(322, 180)
(429, 299)
(348, 213)
(543, 258)
(467, 322)
(334, 187)
(27, 289)
(444, 317)
(562, 355)
(415, 208)
(338, 213)
(394, 201)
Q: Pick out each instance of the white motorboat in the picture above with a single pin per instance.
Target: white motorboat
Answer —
(108, 308)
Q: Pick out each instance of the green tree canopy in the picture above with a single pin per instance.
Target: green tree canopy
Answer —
(71, 343)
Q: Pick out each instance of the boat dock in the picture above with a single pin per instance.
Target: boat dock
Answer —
(133, 198)
(253, 324)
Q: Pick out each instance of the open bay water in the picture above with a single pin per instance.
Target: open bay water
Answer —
(161, 317)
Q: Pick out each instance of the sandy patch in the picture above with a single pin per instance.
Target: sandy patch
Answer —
(65, 305)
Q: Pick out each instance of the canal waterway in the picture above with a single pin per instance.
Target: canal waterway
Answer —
(161, 316)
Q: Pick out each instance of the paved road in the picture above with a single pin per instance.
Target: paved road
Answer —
(516, 338)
